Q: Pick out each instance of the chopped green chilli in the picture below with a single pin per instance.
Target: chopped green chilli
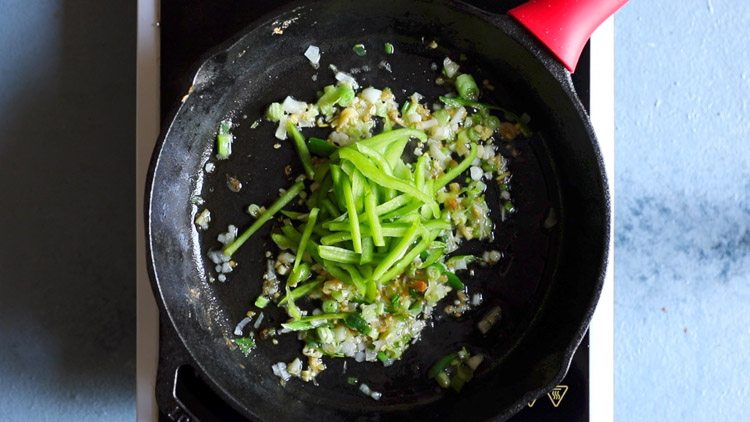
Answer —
(362, 244)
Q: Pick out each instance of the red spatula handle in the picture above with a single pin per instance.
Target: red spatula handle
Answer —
(564, 26)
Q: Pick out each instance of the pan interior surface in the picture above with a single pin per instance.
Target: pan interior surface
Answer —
(546, 284)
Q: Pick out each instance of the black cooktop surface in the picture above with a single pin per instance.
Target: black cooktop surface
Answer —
(189, 28)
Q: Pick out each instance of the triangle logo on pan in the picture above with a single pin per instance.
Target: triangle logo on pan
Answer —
(557, 394)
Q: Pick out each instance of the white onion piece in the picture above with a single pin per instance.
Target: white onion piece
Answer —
(347, 79)
(365, 389)
(292, 106)
(313, 54)
(281, 130)
(476, 173)
(474, 362)
(241, 326)
(450, 67)
(258, 321)
(371, 95)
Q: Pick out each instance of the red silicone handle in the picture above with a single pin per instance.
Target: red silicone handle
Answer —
(564, 26)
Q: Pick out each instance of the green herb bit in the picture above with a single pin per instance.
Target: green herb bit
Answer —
(359, 49)
(352, 380)
(246, 345)
(356, 322)
(280, 203)
(330, 306)
(467, 87)
(224, 140)
(261, 302)
(441, 365)
(275, 112)
(342, 95)
(388, 47)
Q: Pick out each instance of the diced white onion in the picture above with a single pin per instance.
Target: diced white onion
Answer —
(241, 326)
(476, 173)
(365, 389)
(376, 395)
(258, 321)
(371, 95)
(347, 79)
(450, 67)
(474, 362)
(281, 129)
(292, 106)
(476, 299)
(313, 54)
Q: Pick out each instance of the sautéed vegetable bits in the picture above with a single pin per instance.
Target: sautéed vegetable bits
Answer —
(365, 234)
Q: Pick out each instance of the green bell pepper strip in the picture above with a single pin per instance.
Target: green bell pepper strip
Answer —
(456, 171)
(397, 252)
(351, 210)
(372, 218)
(380, 141)
(402, 264)
(300, 291)
(321, 147)
(336, 254)
(306, 233)
(299, 274)
(367, 251)
(312, 321)
(302, 151)
(370, 171)
(280, 203)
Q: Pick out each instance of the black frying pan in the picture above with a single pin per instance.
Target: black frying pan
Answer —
(547, 284)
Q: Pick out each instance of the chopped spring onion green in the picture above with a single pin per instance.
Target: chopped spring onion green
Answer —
(275, 112)
(224, 140)
(389, 49)
(466, 86)
(356, 322)
(280, 203)
(246, 345)
(342, 95)
(261, 302)
(359, 49)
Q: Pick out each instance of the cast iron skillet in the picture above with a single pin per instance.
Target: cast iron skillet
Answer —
(547, 284)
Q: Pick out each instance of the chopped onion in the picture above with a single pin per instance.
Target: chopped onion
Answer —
(313, 54)
(476, 173)
(281, 129)
(258, 321)
(376, 395)
(294, 367)
(450, 67)
(365, 389)
(292, 106)
(476, 300)
(360, 356)
(279, 369)
(474, 362)
(241, 326)
(371, 95)
(347, 79)
(489, 320)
